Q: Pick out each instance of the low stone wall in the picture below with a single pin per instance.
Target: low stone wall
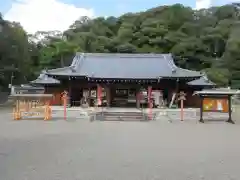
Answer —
(161, 115)
(193, 115)
(72, 113)
(175, 115)
(236, 114)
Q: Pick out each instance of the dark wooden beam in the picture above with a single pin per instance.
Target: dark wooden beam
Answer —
(230, 110)
(201, 110)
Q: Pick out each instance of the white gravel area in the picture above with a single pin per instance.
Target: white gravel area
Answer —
(84, 150)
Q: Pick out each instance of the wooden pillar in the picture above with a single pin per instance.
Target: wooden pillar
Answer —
(158, 98)
(230, 110)
(108, 95)
(177, 86)
(138, 98)
(201, 110)
(70, 94)
(89, 97)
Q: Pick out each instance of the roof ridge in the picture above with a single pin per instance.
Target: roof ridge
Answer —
(124, 55)
(76, 61)
(189, 70)
(61, 68)
(170, 63)
(81, 61)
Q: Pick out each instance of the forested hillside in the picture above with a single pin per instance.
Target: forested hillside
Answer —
(206, 40)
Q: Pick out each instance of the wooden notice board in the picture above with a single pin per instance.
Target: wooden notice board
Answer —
(215, 105)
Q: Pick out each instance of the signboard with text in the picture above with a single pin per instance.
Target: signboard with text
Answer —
(215, 105)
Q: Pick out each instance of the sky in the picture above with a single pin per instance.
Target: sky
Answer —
(47, 15)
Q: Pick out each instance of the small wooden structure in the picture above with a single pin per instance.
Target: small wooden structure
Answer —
(27, 89)
(181, 98)
(32, 105)
(216, 100)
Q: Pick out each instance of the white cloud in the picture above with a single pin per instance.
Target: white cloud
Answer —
(45, 15)
(201, 4)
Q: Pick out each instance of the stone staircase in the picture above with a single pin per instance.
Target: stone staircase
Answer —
(121, 116)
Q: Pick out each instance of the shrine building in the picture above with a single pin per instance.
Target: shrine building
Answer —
(123, 80)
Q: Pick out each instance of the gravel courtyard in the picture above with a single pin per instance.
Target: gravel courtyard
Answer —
(84, 150)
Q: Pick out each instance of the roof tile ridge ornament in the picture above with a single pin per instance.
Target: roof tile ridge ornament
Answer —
(76, 61)
(72, 69)
(44, 71)
(42, 74)
(204, 76)
(81, 58)
(170, 62)
(45, 77)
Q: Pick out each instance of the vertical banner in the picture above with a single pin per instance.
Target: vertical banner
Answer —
(99, 95)
(150, 101)
(149, 96)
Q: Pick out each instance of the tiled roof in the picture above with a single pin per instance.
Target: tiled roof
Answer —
(202, 81)
(43, 78)
(123, 66)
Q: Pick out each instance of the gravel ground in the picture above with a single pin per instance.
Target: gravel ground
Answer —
(83, 150)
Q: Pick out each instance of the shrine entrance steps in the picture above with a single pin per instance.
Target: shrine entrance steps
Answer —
(131, 114)
(122, 114)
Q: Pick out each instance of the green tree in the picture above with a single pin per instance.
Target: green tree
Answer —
(205, 40)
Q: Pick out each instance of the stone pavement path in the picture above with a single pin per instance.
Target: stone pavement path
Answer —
(84, 150)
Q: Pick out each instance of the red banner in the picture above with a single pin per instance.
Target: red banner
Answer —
(150, 102)
(99, 95)
(149, 96)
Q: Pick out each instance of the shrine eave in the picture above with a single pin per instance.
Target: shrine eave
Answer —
(217, 92)
(71, 77)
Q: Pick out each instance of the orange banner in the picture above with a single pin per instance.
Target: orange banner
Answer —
(215, 105)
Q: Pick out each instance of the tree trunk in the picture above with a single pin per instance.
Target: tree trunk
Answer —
(62, 61)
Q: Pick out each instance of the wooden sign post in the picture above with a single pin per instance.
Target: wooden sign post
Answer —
(217, 100)
(181, 98)
(64, 99)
